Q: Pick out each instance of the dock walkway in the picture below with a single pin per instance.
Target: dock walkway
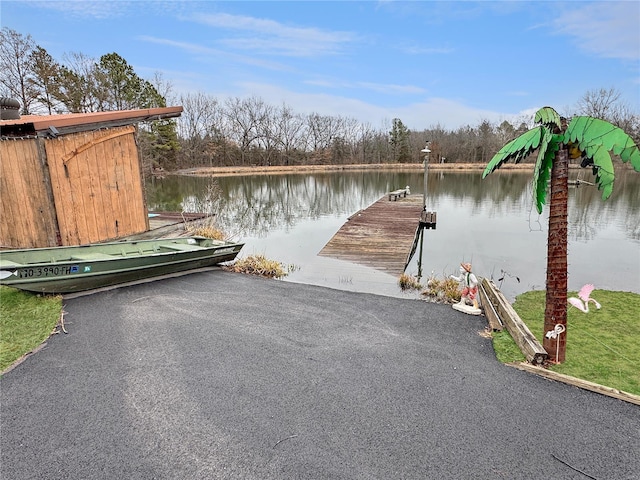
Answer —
(379, 236)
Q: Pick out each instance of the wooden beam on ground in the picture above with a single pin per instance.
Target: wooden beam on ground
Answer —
(529, 345)
(578, 382)
(380, 236)
(489, 310)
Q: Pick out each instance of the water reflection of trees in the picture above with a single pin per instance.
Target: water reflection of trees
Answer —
(588, 213)
(255, 205)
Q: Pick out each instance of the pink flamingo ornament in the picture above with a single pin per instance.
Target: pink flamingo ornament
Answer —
(582, 303)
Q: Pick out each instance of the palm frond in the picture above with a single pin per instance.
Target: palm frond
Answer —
(603, 169)
(595, 138)
(547, 116)
(542, 171)
(589, 131)
(516, 149)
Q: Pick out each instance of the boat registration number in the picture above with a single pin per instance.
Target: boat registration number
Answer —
(48, 271)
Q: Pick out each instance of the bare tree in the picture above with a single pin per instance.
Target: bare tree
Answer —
(608, 105)
(163, 87)
(16, 74)
(289, 129)
(245, 117)
(77, 84)
(599, 103)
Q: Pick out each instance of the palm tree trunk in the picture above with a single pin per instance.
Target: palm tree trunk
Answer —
(556, 299)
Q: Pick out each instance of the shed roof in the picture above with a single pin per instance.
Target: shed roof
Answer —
(53, 125)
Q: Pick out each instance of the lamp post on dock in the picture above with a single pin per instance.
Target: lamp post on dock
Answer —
(426, 152)
(427, 219)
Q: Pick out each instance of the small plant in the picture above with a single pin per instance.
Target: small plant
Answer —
(504, 274)
(409, 282)
(259, 265)
(442, 291)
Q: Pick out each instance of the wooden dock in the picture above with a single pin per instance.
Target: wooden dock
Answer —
(379, 236)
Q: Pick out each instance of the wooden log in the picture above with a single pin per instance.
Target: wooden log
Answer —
(578, 382)
(529, 345)
(489, 310)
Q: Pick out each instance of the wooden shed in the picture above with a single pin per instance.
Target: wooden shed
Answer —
(72, 179)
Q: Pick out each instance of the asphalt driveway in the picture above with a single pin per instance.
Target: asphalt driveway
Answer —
(218, 375)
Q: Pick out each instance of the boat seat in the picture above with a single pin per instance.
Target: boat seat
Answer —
(91, 256)
(9, 264)
(182, 247)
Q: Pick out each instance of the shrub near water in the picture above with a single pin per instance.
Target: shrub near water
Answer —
(445, 290)
(258, 265)
(26, 320)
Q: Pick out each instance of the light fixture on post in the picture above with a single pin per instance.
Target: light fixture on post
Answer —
(427, 219)
(426, 152)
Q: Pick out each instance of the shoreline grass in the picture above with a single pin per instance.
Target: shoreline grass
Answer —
(26, 320)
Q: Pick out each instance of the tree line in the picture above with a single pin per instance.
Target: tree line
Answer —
(248, 131)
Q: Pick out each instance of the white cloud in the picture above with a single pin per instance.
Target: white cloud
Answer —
(104, 10)
(276, 38)
(449, 114)
(391, 89)
(207, 54)
(606, 29)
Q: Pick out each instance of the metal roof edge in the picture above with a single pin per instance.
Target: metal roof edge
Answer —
(122, 117)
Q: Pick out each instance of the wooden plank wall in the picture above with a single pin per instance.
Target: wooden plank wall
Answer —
(97, 185)
(27, 215)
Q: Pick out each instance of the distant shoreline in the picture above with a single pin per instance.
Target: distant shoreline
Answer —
(272, 170)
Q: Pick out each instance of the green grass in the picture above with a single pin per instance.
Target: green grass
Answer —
(603, 346)
(26, 320)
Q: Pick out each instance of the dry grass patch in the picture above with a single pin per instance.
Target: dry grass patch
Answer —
(409, 282)
(259, 265)
(208, 232)
(442, 290)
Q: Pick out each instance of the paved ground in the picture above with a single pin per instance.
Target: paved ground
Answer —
(220, 375)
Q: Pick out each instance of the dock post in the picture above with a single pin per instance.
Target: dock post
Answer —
(420, 257)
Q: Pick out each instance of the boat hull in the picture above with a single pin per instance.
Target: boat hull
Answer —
(76, 269)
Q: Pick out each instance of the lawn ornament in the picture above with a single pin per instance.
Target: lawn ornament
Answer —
(582, 303)
(554, 334)
(468, 302)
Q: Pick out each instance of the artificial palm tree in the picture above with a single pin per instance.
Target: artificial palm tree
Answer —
(591, 140)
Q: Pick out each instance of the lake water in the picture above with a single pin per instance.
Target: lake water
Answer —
(491, 223)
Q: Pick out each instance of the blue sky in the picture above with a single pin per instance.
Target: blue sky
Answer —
(428, 63)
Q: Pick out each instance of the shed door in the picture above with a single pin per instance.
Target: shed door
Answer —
(97, 185)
